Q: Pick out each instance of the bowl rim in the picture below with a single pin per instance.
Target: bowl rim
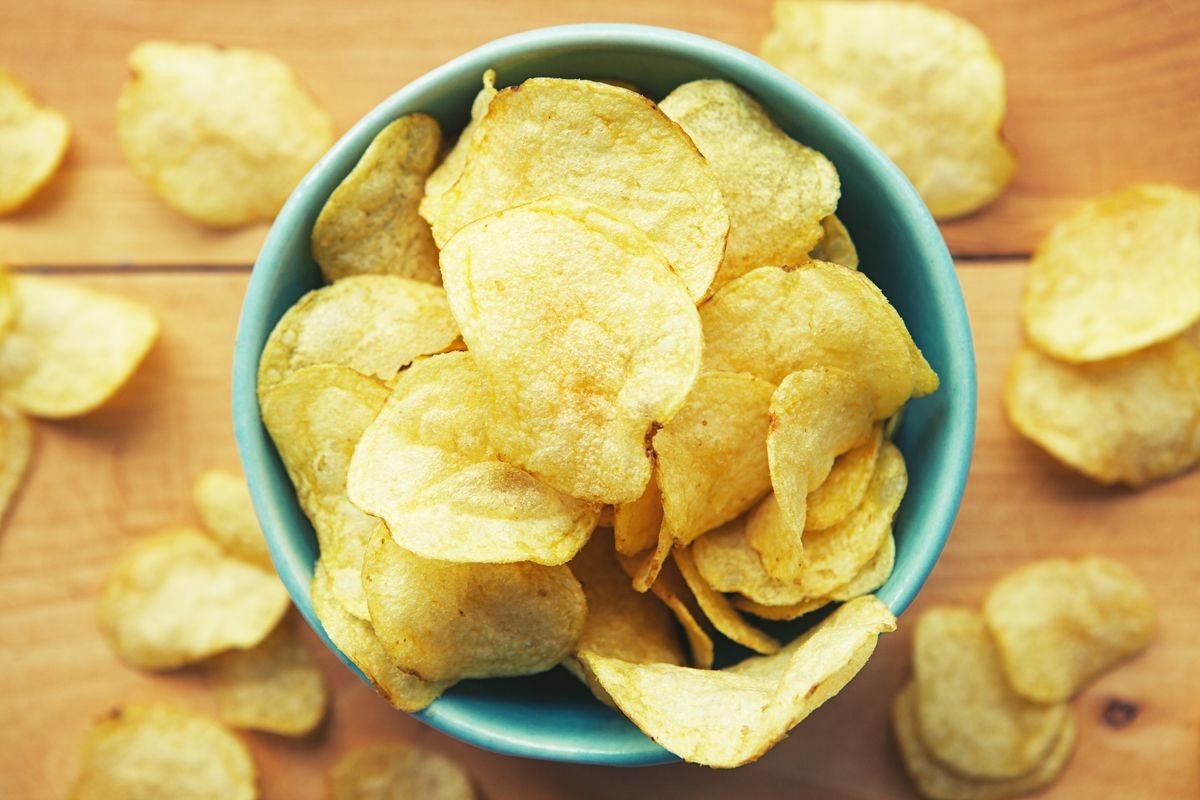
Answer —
(947, 297)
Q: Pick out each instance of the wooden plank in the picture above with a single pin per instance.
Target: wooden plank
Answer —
(1101, 93)
(101, 482)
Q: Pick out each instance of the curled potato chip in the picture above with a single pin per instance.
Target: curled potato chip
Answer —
(449, 171)
(223, 500)
(150, 750)
(601, 345)
(600, 143)
(644, 567)
(726, 718)
(780, 545)
(222, 134)
(16, 451)
(389, 771)
(835, 245)
(784, 612)
(370, 224)
(667, 585)
(719, 611)
(844, 487)
(70, 349)
(636, 524)
(274, 686)
(33, 139)
(776, 190)
(1130, 420)
(918, 74)
(443, 621)
(1058, 623)
(1117, 275)
(967, 715)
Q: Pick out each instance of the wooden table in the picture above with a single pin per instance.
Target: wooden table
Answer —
(1102, 92)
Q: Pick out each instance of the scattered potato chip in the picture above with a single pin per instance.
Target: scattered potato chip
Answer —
(1117, 275)
(448, 172)
(844, 487)
(636, 524)
(595, 142)
(581, 369)
(147, 751)
(1130, 420)
(776, 190)
(33, 139)
(222, 134)
(967, 715)
(1059, 623)
(223, 500)
(907, 75)
(726, 718)
(443, 621)
(719, 611)
(835, 245)
(70, 349)
(16, 451)
(426, 468)
(394, 771)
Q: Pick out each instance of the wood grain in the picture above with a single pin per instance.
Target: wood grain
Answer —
(101, 482)
(1102, 93)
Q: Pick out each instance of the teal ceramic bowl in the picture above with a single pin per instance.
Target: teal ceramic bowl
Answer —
(551, 716)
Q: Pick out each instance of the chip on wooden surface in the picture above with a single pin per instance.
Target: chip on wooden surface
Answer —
(222, 134)
(70, 348)
(835, 245)
(636, 524)
(905, 74)
(719, 611)
(16, 451)
(449, 171)
(223, 500)
(843, 489)
(33, 139)
(395, 771)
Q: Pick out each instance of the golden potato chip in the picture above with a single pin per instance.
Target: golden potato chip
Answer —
(598, 346)
(906, 75)
(595, 142)
(636, 524)
(70, 349)
(16, 451)
(1059, 623)
(395, 771)
(1117, 275)
(358, 642)
(644, 567)
(726, 718)
(835, 245)
(844, 487)
(935, 781)
(776, 190)
(374, 324)
(785, 612)
(425, 467)
(449, 171)
(370, 225)
(1130, 420)
(176, 598)
(33, 139)
(145, 751)
(222, 134)
(967, 715)
(719, 611)
(440, 620)
(676, 596)
(779, 544)
(274, 686)
(8, 301)
(223, 500)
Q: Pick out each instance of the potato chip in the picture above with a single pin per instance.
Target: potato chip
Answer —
(145, 751)
(719, 611)
(70, 349)
(676, 596)
(176, 598)
(776, 190)
(780, 545)
(394, 771)
(644, 567)
(599, 346)
(780, 613)
(223, 500)
(274, 686)
(844, 487)
(906, 75)
(222, 134)
(636, 524)
(426, 468)
(358, 642)
(1117, 275)
(33, 139)
(835, 245)
(440, 620)
(370, 225)
(726, 718)
(967, 715)
(1059, 623)
(1130, 420)
(935, 781)
(449, 171)
(8, 301)
(16, 451)
(374, 324)
(595, 142)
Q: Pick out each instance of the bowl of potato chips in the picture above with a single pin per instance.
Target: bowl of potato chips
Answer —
(608, 347)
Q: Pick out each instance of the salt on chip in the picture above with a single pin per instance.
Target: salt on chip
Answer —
(600, 346)
(777, 191)
(222, 134)
(844, 487)
(223, 500)
(391, 770)
(917, 75)
(16, 451)
(1059, 623)
(636, 524)
(1117, 275)
(835, 244)
(719, 611)
(595, 142)
(669, 587)
(70, 348)
(33, 139)
(448, 172)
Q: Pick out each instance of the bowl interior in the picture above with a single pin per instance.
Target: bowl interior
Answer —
(552, 716)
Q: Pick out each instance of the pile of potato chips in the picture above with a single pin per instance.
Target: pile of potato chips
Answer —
(987, 713)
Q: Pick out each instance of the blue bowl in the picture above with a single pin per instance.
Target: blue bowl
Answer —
(551, 716)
